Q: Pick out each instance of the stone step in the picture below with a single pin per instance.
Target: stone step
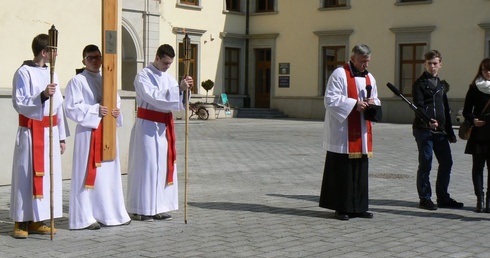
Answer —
(260, 113)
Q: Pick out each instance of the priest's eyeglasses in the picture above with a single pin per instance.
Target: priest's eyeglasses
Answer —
(93, 58)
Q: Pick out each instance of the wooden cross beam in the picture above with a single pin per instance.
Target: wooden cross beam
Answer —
(109, 76)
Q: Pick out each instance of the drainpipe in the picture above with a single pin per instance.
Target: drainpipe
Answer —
(246, 100)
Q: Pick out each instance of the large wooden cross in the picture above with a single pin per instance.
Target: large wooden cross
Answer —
(109, 76)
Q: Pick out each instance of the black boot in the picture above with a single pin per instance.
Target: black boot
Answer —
(487, 203)
(479, 204)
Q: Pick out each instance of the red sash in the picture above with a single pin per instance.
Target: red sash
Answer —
(94, 157)
(168, 120)
(37, 133)
(354, 120)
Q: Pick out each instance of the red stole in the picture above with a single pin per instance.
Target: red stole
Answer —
(168, 120)
(94, 157)
(37, 133)
(354, 120)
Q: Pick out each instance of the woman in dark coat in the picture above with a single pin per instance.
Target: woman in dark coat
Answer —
(477, 113)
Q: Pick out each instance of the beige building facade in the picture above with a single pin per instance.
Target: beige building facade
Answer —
(261, 53)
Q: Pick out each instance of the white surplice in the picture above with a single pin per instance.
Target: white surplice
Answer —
(338, 107)
(147, 190)
(28, 84)
(105, 202)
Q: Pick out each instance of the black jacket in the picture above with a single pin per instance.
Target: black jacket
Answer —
(474, 103)
(433, 102)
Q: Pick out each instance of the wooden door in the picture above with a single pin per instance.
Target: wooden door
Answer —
(262, 77)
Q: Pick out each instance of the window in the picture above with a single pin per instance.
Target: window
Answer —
(190, 2)
(411, 43)
(410, 2)
(333, 52)
(264, 6)
(333, 57)
(232, 70)
(233, 5)
(411, 65)
(486, 27)
(334, 3)
(192, 65)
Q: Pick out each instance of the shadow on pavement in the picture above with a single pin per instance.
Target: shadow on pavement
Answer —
(253, 207)
(440, 213)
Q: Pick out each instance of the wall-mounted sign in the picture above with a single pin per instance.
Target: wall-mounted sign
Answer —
(284, 68)
(111, 42)
(283, 81)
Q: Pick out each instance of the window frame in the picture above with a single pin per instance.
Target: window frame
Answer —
(486, 43)
(194, 61)
(187, 4)
(196, 39)
(237, 9)
(413, 62)
(412, 2)
(228, 64)
(268, 7)
(326, 6)
(409, 35)
(253, 8)
(335, 63)
(330, 39)
(238, 41)
(190, 2)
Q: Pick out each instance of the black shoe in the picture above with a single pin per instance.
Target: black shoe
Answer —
(364, 215)
(479, 206)
(427, 204)
(162, 216)
(451, 204)
(341, 216)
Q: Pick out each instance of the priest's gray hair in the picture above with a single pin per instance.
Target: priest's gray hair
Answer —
(361, 50)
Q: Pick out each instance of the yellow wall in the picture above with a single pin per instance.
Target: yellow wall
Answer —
(212, 19)
(456, 34)
(79, 24)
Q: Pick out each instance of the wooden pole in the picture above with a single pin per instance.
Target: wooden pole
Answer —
(53, 49)
(109, 76)
(186, 43)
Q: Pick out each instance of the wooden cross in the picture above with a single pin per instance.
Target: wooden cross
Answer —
(109, 76)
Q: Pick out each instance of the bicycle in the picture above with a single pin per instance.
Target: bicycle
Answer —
(199, 111)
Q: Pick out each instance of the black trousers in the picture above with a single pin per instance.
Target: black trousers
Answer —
(481, 156)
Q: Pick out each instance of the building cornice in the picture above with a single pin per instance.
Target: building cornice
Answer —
(179, 30)
(332, 32)
(418, 29)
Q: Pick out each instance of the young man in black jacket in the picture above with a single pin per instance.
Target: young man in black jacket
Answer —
(430, 97)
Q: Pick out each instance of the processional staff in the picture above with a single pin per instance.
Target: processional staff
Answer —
(186, 42)
(53, 49)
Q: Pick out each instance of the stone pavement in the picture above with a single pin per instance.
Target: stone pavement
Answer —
(253, 192)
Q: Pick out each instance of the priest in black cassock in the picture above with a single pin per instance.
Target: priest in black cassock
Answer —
(351, 102)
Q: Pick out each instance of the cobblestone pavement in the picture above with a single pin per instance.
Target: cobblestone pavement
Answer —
(253, 192)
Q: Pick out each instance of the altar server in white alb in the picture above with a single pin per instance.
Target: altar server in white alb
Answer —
(30, 191)
(152, 172)
(96, 195)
